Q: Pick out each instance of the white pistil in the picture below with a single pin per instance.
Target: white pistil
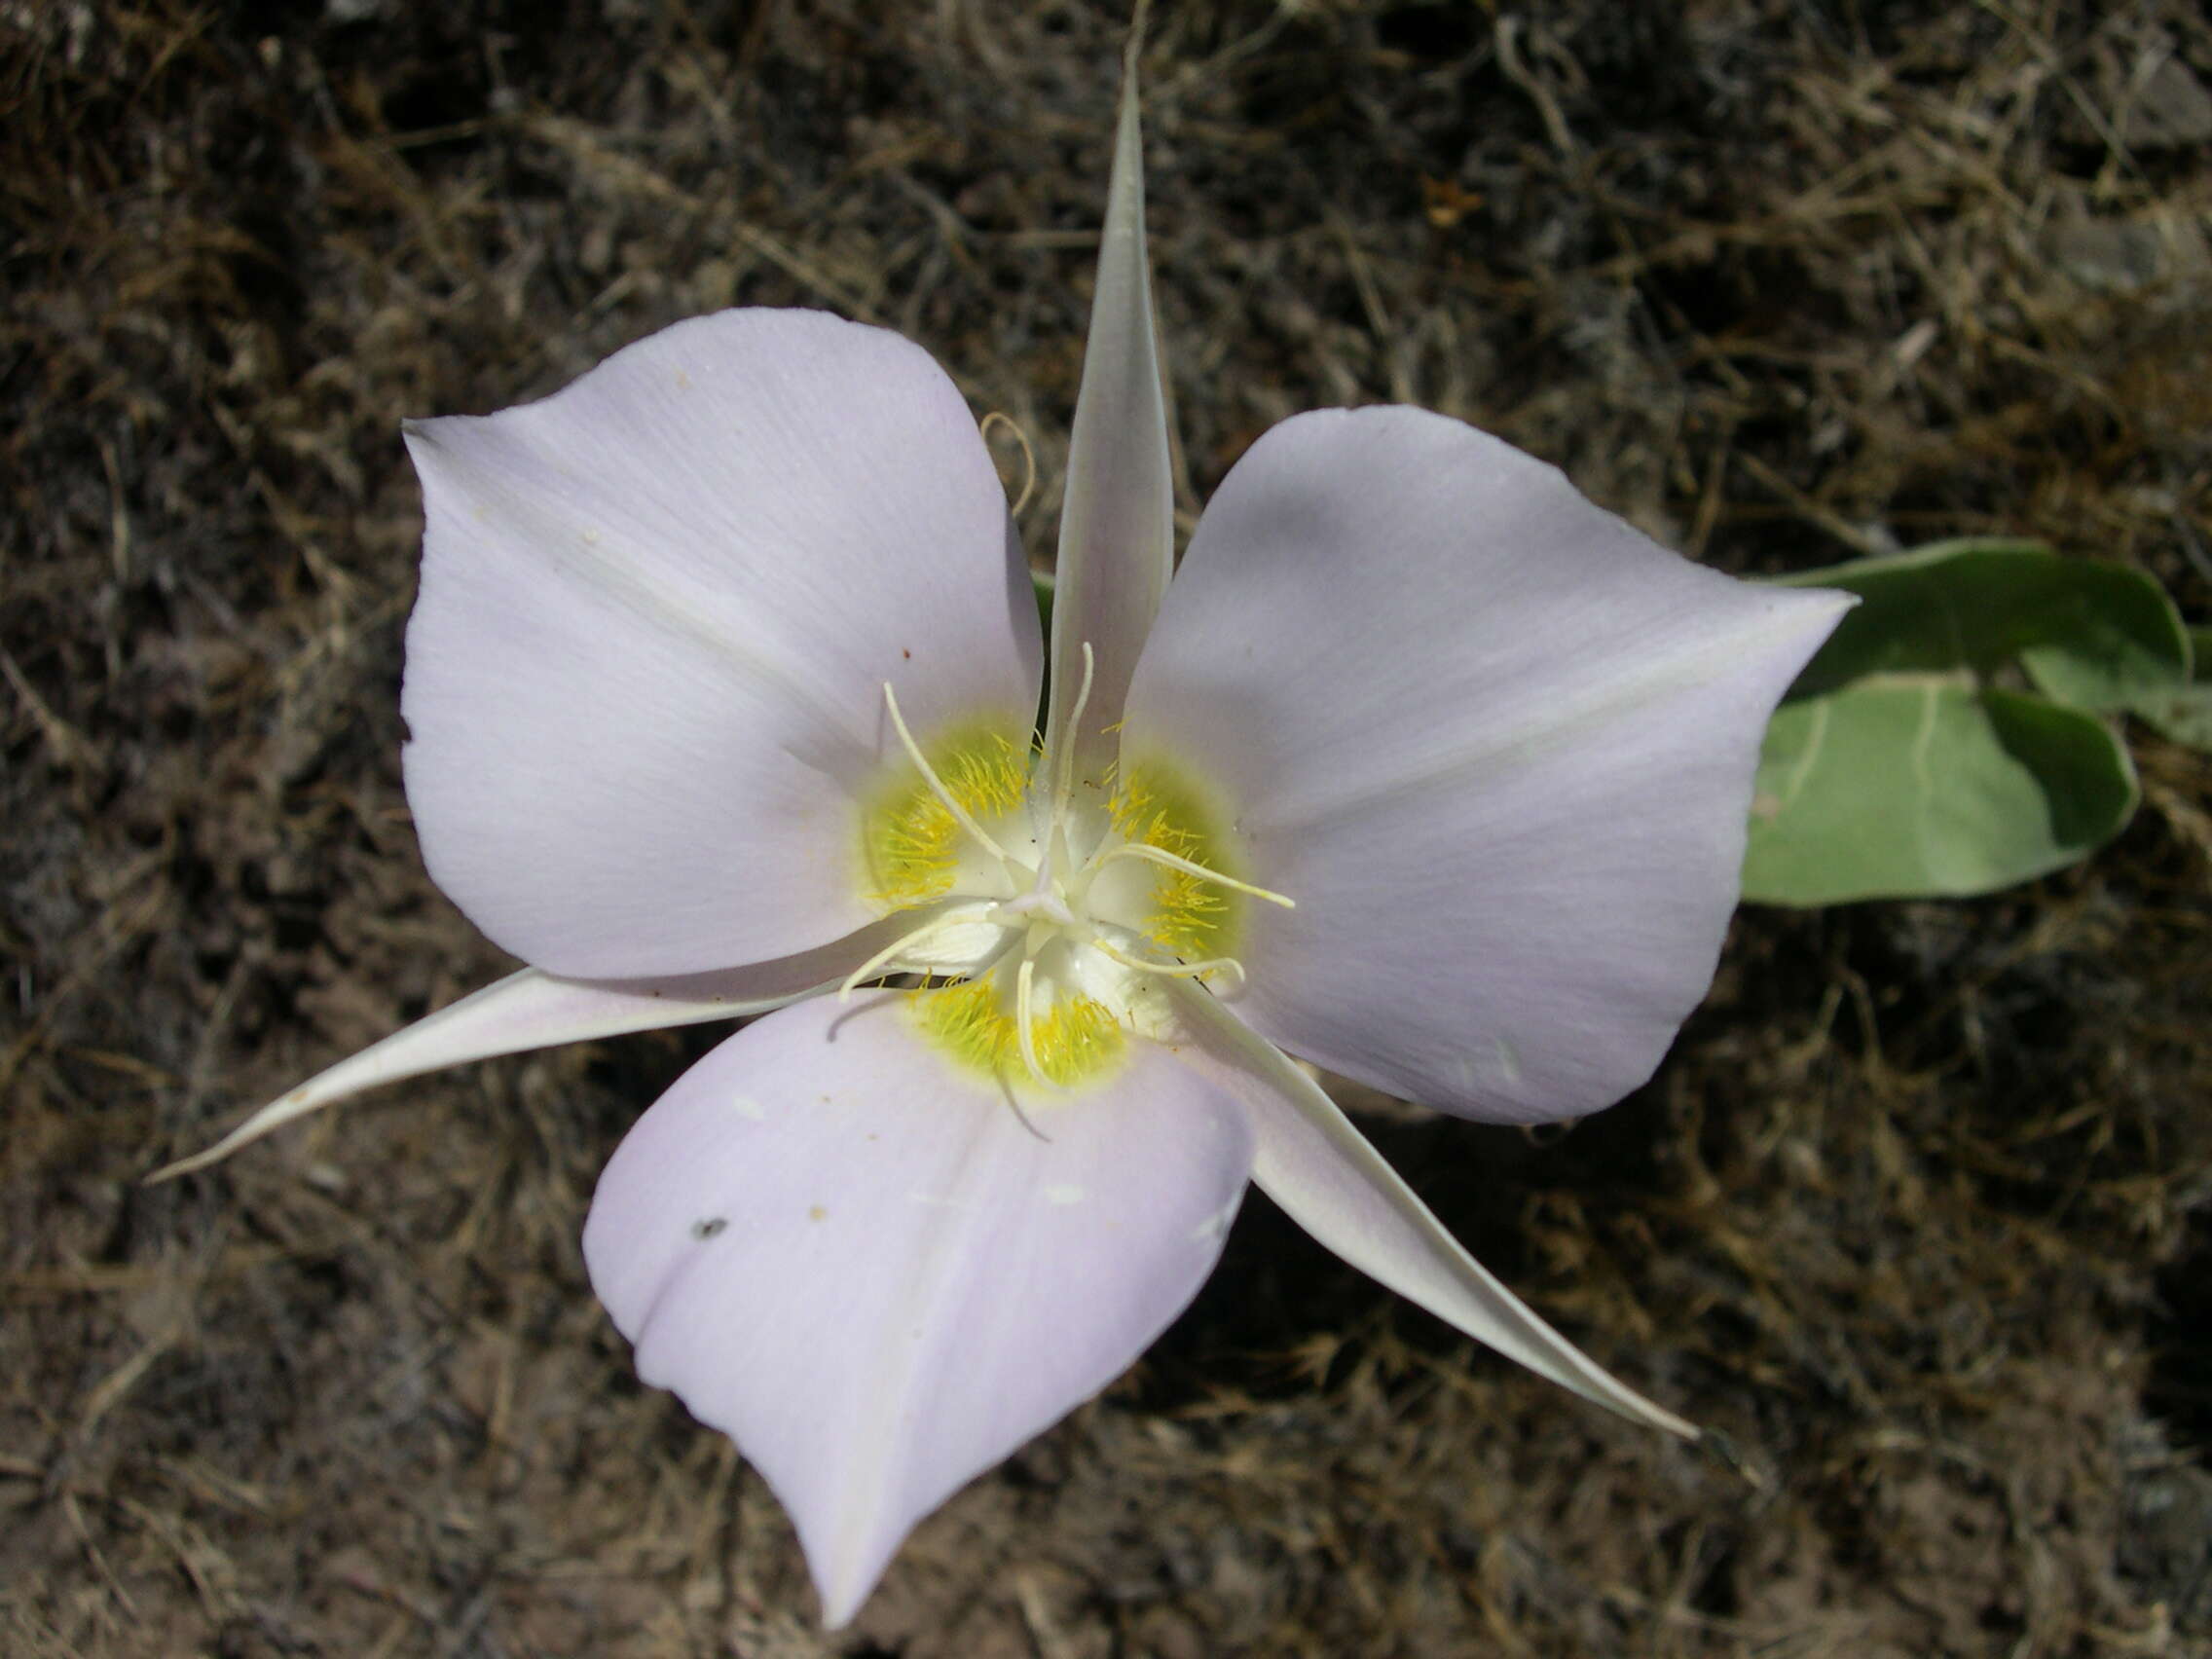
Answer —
(1063, 763)
(1160, 856)
(960, 814)
(1024, 995)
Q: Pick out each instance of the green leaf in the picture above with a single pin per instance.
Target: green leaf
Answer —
(2094, 635)
(2183, 713)
(1946, 740)
(1898, 788)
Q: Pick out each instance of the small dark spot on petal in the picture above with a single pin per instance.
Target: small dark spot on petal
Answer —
(904, 652)
(708, 1228)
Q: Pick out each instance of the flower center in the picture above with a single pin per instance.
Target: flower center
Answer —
(1053, 912)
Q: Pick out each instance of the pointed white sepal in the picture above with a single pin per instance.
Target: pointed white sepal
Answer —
(1309, 1159)
(1117, 544)
(525, 1011)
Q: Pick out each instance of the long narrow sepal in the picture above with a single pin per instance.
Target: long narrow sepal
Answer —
(1309, 1159)
(529, 1009)
(1118, 522)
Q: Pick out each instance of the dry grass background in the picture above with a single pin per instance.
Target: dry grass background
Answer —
(1916, 1214)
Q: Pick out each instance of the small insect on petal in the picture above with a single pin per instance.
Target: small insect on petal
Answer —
(909, 1320)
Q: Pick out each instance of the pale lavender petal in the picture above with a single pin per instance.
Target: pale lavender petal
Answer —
(1309, 1159)
(1118, 521)
(863, 1264)
(644, 677)
(1497, 745)
(535, 1010)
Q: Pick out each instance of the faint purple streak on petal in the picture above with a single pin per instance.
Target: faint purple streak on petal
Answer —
(860, 1263)
(645, 675)
(1496, 744)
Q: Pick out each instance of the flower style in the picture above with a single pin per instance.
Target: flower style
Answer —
(722, 690)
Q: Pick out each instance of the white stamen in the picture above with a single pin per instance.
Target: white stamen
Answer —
(960, 815)
(1172, 969)
(890, 953)
(1160, 856)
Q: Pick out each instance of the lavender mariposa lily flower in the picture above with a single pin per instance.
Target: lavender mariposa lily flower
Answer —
(721, 687)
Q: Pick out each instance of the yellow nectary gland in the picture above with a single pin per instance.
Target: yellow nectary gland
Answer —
(911, 840)
(1074, 1039)
(1191, 918)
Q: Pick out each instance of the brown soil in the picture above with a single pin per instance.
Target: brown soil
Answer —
(1914, 1215)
